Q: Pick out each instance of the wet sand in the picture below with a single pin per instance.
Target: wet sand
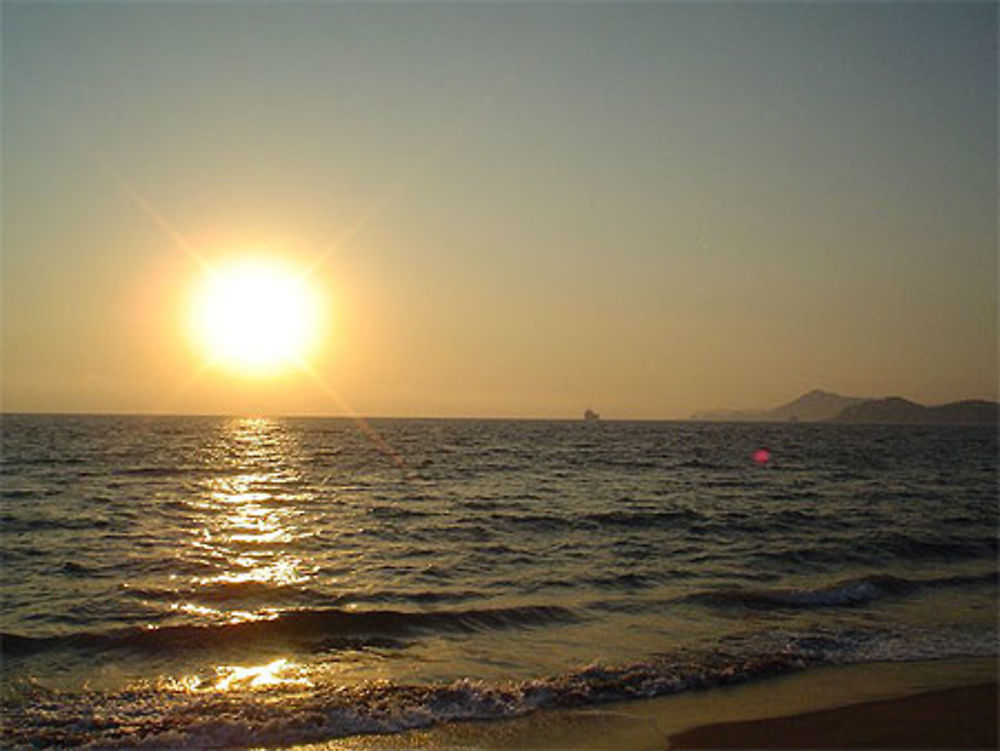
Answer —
(956, 718)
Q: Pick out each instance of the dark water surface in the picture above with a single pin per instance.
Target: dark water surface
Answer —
(177, 581)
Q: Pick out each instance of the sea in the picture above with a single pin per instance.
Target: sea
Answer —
(220, 582)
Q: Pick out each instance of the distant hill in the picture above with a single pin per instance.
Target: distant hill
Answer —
(815, 406)
(895, 409)
(823, 406)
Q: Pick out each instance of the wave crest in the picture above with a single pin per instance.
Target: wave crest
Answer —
(318, 626)
(845, 593)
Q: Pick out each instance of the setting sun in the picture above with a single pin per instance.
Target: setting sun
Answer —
(255, 317)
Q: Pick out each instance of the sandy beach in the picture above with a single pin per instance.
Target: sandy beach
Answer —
(964, 717)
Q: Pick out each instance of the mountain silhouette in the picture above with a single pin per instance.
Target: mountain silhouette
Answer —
(895, 409)
(815, 406)
(824, 406)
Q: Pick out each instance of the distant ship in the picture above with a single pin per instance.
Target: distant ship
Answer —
(591, 415)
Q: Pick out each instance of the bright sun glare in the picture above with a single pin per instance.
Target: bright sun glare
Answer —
(255, 317)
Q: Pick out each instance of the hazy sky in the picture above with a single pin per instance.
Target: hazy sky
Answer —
(521, 209)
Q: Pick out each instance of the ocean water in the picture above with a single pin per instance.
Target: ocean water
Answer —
(220, 582)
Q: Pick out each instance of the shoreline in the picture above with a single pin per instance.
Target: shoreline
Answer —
(951, 718)
(663, 722)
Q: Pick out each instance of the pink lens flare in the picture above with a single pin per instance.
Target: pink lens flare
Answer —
(762, 456)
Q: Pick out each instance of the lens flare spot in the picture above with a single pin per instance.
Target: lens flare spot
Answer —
(762, 456)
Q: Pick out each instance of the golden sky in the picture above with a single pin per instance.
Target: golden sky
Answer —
(505, 209)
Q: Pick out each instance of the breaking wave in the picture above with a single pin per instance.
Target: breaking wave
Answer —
(168, 715)
(154, 717)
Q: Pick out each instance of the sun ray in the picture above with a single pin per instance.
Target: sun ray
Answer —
(362, 424)
(147, 209)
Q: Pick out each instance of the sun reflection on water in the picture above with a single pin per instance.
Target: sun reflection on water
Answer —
(246, 544)
(228, 616)
(283, 572)
(259, 676)
(228, 678)
(248, 532)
